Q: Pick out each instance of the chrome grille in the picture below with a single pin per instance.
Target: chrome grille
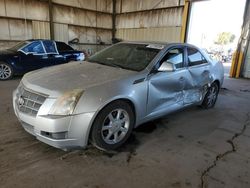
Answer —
(28, 101)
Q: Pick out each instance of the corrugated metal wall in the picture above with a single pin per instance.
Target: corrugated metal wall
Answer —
(151, 20)
(88, 20)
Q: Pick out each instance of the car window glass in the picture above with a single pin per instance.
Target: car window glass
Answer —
(61, 47)
(20, 45)
(195, 57)
(175, 56)
(128, 56)
(34, 48)
(50, 47)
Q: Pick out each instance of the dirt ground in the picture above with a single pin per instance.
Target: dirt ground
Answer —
(191, 148)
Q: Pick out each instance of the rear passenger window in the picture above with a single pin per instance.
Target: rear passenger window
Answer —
(50, 47)
(33, 48)
(195, 57)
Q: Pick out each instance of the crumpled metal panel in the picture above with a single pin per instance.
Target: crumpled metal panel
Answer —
(168, 89)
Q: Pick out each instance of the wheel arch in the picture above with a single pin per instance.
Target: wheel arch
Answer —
(217, 82)
(127, 100)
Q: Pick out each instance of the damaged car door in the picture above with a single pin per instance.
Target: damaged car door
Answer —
(167, 85)
(199, 71)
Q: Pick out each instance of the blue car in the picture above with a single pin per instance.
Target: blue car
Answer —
(35, 54)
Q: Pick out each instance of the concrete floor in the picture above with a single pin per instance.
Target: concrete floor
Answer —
(191, 148)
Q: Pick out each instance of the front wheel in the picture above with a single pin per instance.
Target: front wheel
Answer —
(211, 96)
(113, 126)
(6, 71)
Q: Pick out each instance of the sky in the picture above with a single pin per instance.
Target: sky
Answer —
(209, 18)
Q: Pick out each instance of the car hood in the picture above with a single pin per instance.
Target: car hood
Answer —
(55, 80)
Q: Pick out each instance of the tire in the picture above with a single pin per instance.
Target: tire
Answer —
(211, 96)
(113, 126)
(6, 71)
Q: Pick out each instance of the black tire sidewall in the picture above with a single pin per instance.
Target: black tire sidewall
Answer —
(96, 137)
(3, 63)
(205, 101)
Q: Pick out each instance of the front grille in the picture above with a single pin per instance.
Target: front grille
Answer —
(28, 101)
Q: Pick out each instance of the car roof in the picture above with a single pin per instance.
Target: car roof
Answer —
(160, 43)
(145, 42)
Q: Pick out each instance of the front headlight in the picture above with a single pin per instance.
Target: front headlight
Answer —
(65, 104)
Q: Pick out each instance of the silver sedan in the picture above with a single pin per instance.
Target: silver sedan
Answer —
(102, 99)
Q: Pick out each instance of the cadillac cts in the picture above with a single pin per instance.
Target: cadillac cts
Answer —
(101, 100)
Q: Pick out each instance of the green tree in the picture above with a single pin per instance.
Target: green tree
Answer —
(225, 38)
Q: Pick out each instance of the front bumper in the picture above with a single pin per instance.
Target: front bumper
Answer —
(65, 132)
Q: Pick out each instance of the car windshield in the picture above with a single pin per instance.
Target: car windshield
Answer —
(19, 45)
(127, 56)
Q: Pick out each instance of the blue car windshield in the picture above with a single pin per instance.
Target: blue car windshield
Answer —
(126, 55)
(19, 45)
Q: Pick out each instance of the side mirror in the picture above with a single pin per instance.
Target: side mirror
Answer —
(167, 67)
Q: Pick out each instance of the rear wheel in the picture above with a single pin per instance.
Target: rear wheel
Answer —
(211, 96)
(113, 126)
(6, 71)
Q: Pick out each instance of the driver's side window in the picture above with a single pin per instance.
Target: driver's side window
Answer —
(175, 56)
(34, 48)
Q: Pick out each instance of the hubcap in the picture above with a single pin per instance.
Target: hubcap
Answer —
(115, 126)
(5, 71)
(212, 95)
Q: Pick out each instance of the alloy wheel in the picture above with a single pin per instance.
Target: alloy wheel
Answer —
(115, 126)
(5, 71)
(212, 95)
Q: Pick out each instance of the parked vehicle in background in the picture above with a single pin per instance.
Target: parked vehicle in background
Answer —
(35, 54)
(103, 99)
